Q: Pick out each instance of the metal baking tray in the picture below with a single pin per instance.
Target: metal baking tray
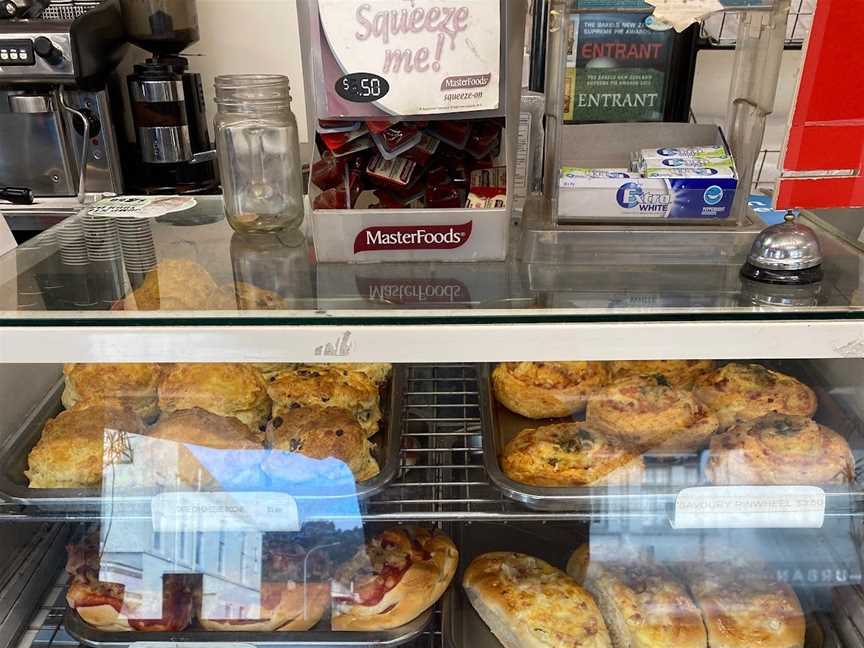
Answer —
(14, 454)
(666, 474)
(320, 636)
(552, 542)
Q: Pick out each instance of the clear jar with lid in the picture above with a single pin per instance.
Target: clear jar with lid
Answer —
(259, 153)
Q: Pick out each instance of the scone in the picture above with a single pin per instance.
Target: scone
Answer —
(570, 454)
(244, 296)
(540, 390)
(305, 386)
(174, 284)
(650, 413)
(742, 606)
(743, 392)
(679, 373)
(270, 370)
(124, 385)
(321, 433)
(780, 449)
(644, 605)
(202, 428)
(236, 390)
(377, 372)
(528, 603)
(69, 453)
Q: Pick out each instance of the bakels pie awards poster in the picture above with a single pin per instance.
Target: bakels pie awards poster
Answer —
(409, 57)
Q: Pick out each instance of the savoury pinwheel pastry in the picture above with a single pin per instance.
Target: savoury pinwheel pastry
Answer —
(742, 392)
(540, 390)
(570, 454)
(679, 373)
(780, 449)
(650, 413)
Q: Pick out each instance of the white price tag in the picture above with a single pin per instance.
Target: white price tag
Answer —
(178, 512)
(750, 507)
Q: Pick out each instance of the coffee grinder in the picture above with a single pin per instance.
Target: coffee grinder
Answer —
(175, 154)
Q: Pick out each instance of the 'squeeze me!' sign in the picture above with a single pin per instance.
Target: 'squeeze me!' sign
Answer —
(410, 57)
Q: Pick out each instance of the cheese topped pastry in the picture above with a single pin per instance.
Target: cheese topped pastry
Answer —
(651, 413)
(742, 392)
(539, 390)
(743, 607)
(528, 603)
(780, 449)
(644, 606)
(570, 454)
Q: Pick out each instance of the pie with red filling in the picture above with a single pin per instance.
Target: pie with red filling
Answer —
(293, 597)
(108, 606)
(398, 575)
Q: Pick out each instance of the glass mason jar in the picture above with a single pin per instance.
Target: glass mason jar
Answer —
(259, 153)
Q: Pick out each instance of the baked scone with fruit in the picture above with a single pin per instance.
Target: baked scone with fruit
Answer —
(302, 386)
(322, 433)
(743, 392)
(243, 296)
(570, 454)
(743, 606)
(70, 452)
(528, 603)
(227, 389)
(174, 284)
(199, 427)
(393, 579)
(643, 604)
(132, 385)
(780, 449)
(651, 413)
(377, 372)
(540, 390)
(680, 373)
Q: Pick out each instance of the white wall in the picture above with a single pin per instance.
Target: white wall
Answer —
(249, 37)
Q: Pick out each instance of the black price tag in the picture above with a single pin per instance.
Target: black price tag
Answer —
(362, 87)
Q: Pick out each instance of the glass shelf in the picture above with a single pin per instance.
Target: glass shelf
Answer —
(555, 275)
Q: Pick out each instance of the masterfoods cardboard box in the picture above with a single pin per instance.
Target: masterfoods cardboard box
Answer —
(638, 199)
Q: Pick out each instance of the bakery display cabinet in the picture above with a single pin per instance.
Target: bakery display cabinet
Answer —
(207, 438)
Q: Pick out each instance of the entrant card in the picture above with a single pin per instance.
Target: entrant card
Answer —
(410, 57)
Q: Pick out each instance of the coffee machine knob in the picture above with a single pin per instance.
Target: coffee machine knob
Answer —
(45, 49)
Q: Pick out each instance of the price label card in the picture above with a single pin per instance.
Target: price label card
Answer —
(259, 512)
(750, 507)
(397, 58)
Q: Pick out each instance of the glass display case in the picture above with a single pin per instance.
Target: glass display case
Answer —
(618, 441)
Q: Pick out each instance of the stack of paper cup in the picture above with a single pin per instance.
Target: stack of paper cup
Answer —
(100, 235)
(70, 238)
(136, 240)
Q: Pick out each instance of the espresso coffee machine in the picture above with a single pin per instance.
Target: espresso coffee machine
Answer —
(56, 133)
(174, 151)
